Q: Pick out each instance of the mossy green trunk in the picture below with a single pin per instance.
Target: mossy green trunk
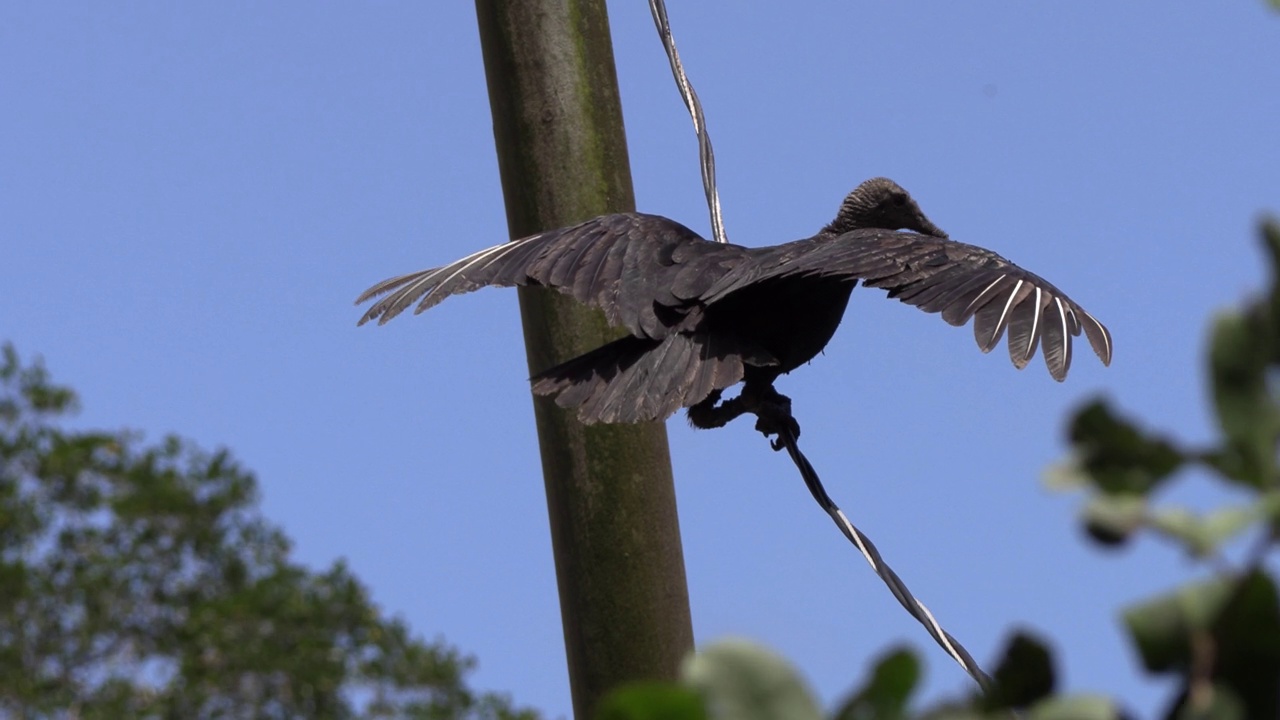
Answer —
(563, 157)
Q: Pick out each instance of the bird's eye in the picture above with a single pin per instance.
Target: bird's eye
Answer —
(899, 200)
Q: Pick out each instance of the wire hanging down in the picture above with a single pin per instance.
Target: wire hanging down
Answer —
(706, 156)
(886, 573)
(782, 427)
(772, 421)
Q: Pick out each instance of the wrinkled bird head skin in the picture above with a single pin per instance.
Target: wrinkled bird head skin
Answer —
(881, 203)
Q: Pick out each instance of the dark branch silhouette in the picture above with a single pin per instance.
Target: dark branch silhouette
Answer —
(703, 316)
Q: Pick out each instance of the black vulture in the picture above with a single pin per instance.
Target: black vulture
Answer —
(702, 316)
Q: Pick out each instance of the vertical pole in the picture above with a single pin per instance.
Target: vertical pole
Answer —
(562, 153)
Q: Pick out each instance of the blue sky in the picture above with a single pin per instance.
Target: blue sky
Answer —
(191, 195)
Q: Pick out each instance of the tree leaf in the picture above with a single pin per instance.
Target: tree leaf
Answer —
(1225, 523)
(1116, 455)
(1240, 351)
(1247, 638)
(886, 695)
(1112, 519)
(1161, 628)
(1181, 525)
(652, 701)
(740, 680)
(1203, 535)
(1066, 475)
(1024, 675)
(1269, 229)
(1075, 707)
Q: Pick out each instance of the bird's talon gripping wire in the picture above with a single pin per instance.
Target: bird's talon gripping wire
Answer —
(774, 418)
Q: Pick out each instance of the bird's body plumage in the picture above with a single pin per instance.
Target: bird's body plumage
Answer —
(702, 316)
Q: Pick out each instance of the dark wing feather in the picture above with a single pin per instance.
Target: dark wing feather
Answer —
(638, 379)
(630, 265)
(937, 275)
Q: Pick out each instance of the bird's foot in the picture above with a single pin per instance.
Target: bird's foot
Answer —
(771, 408)
(773, 417)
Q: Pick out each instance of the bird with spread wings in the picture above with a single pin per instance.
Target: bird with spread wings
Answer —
(702, 316)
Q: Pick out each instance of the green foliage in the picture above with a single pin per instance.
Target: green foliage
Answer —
(742, 681)
(139, 581)
(652, 701)
(887, 693)
(1219, 637)
(1024, 677)
(1222, 636)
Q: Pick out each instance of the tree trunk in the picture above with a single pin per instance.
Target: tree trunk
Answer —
(563, 158)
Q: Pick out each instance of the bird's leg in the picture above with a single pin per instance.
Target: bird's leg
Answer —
(711, 413)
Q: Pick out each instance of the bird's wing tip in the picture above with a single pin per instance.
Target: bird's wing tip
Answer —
(1099, 338)
(371, 293)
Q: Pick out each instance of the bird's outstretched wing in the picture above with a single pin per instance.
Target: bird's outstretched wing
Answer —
(626, 264)
(942, 276)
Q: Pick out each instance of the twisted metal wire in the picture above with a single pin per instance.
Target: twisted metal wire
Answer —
(896, 586)
(706, 156)
(786, 438)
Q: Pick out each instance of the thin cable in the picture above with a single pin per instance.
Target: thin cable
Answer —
(706, 156)
(896, 586)
(890, 578)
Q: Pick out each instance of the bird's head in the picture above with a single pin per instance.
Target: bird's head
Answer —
(881, 203)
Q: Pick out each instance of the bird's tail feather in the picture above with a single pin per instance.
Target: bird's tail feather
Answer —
(638, 379)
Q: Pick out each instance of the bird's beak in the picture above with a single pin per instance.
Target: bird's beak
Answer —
(930, 229)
